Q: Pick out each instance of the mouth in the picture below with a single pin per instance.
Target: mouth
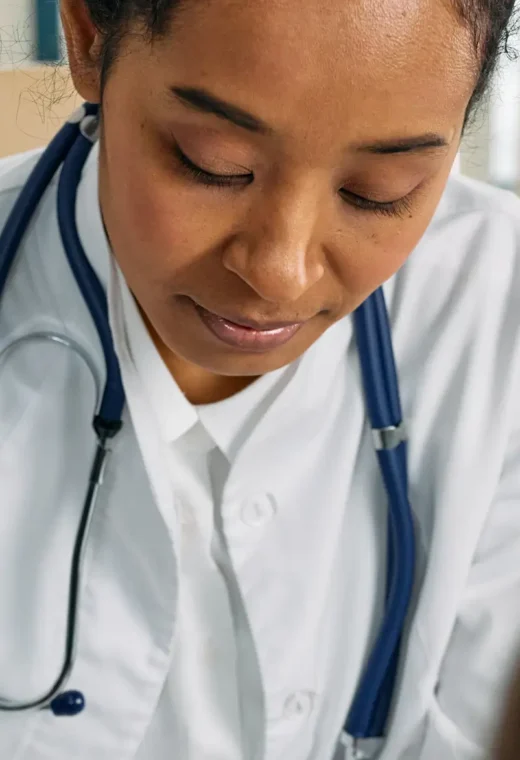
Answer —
(246, 334)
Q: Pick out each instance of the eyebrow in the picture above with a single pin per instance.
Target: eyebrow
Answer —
(204, 102)
(403, 144)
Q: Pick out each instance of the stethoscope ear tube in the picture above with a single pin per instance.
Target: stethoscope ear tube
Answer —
(379, 373)
(113, 398)
(369, 711)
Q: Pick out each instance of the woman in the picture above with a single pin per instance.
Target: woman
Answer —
(262, 167)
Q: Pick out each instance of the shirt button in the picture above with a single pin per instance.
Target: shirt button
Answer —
(258, 511)
(299, 705)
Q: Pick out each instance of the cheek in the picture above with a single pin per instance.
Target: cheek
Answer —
(374, 257)
(158, 228)
(384, 246)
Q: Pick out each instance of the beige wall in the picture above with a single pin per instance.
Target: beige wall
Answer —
(33, 104)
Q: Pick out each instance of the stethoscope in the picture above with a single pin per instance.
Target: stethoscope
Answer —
(365, 725)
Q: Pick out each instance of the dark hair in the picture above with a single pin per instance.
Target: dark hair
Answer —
(488, 21)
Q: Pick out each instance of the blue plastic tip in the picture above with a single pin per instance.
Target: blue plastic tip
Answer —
(69, 703)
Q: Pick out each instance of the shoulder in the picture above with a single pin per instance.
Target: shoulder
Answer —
(485, 220)
(464, 195)
(14, 173)
(476, 225)
(455, 313)
(466, 268)
(15, 170)
(40, 292)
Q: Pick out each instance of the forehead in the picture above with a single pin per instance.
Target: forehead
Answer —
(358, 62)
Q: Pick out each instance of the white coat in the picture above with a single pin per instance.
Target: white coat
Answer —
(311, 579)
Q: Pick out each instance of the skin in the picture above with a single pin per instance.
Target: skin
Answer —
(292, 244)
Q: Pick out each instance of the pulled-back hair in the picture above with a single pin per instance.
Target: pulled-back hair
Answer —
(487, 20)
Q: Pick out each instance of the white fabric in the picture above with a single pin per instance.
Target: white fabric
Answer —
(296, 522)
(202, 686)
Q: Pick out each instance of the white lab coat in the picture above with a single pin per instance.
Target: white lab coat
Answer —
(312, 581)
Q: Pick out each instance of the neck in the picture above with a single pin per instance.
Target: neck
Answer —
(198, 385)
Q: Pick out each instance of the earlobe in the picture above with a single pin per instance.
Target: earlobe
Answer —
(83, 47)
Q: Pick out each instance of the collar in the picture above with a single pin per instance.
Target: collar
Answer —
(231, 422)
(174, 414)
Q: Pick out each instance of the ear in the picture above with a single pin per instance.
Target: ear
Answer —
(84, 45)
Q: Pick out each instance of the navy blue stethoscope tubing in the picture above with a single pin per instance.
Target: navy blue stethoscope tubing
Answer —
(70, 148)
(369, 711)
(113, 399)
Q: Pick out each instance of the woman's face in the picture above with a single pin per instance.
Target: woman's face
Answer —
(273, 162)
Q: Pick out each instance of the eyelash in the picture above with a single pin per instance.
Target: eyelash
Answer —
(399, 207)
(207, 178)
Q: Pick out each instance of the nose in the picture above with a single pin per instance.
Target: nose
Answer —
(275, 251)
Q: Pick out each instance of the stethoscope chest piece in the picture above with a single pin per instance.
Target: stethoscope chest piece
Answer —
(69, 703)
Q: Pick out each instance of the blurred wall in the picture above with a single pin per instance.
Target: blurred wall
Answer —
(34, 102)
(34, 98)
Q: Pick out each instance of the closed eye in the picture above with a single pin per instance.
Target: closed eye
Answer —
(398, 207)
(209, 178)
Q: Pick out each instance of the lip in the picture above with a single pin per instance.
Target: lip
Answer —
(246, 334)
